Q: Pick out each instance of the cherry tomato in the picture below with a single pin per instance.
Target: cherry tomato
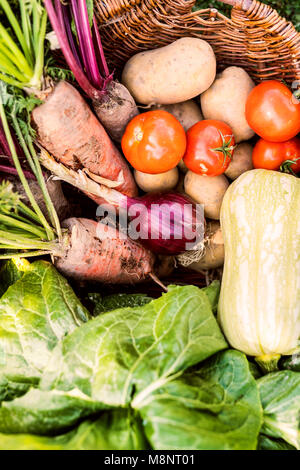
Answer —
(154, 142)
(209, 149)
(273, 112)
(274, 155)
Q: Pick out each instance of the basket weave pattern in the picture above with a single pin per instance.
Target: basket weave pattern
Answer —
(255, 38)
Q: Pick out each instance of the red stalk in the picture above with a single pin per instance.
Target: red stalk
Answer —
(103, 63)
(12, 171)
(57, 24)
(80, 33)
(88, 45)
(67, 24)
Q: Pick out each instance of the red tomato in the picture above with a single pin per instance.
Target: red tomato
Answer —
(273, 155)
(273, 112)
(209, 149)
(154, 142)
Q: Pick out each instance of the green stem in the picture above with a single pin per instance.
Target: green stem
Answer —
(48, 201)
(7, 67)
(22, 225)
(24, 243)
(24, 182)
(19, 57)
(11, 81)
(10, 56)
(28, 254)
(15, 25)
(39, 52)
(35, 23)
(26, 28)
(22, 141)
(25, 210)
(268, 362)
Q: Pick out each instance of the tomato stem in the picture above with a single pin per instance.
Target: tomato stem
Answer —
(226, 148)
(285, 167)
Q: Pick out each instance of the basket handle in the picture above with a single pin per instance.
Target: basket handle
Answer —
(240, 4)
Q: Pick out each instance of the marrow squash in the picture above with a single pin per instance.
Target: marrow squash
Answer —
(259, 307)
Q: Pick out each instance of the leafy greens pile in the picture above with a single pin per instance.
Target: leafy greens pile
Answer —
(151, 374)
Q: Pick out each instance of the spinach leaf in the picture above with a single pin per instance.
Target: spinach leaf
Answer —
(266, 443)
(35, 313)
(11, 271)
(114, 430)
(136, 350)
(215, 407)
(115, 301)
(280, 397)
(43, 412)
(114, 357)
(213, 293)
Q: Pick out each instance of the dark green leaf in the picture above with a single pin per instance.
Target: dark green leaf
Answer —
(280, 397)
(11, 271)
(113, 302)
(35, 313)
(113, 430)
(213, 294)
(117, 355)
(136, 348)
(216, 407)
(266, 443)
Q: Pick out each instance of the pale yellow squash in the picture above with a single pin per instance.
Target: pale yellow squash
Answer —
(259, 307)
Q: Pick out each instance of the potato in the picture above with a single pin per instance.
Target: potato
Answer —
(226, 99)
(206, 190)
(171, 74)
(214, 249)
(241, 161)
(187, 113)
(158, 182)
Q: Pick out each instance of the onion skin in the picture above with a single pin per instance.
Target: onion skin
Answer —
(160, 236)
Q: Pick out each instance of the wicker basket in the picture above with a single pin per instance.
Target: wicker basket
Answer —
(255, 38)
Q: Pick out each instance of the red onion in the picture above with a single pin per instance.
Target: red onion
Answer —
(166, 223)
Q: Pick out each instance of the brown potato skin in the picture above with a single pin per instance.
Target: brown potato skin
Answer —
(158, 182)
(187, 112)
(207, 190)
(241, 161)
(171, 74)
(226, 100)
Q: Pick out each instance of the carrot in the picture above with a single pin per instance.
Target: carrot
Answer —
(69, 130)
(95, 252)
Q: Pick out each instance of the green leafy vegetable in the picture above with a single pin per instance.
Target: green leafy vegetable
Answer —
(291, 362)
(112, 302)
(136, 350)
(215, 407)
(11, 271)
(114, 430)
(35, 313)
(266, 443)
(280, 397)
(117, 359)
(43, 412)
(213, 293)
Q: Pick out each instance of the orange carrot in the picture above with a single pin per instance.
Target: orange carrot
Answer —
(95, 252)
(69, 130)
